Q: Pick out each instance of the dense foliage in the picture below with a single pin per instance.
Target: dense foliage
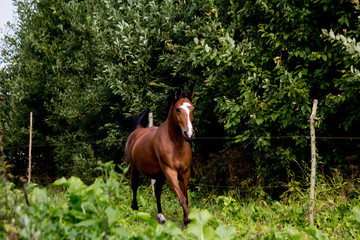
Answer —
(70, 209)
(256, 67)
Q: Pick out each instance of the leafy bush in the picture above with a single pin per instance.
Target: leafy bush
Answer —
(90, 212)
(256, 67)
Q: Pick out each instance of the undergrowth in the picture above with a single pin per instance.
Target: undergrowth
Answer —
(70, 209)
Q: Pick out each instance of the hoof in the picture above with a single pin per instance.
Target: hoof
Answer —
(161, 218)
(187, 221)
(134, 207)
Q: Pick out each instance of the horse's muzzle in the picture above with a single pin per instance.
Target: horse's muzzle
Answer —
(187, 137)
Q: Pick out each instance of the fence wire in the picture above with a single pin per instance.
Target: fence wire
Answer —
(195, 139)
(234, 187)
(245, 188)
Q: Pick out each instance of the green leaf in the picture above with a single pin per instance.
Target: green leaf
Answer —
(324, 57)
(173, 230)
(207, 48)
(259, 121)
(198, 227)
(87, 223)
(145, 217)
(315, 233)
(196, 40)
(61, 182)
(274, 116)
(294, 233)
(225, 233)
(356, 212)
(111, 215)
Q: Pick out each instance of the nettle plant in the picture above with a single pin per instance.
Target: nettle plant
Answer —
(92, 212)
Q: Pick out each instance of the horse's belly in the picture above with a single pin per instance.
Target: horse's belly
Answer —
(147, 166)
(144, 158)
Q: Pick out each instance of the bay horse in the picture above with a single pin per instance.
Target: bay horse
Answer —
(164, 152)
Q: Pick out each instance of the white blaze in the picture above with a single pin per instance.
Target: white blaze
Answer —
(186, 106)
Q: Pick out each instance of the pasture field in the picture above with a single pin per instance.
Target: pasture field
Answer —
(69, 209)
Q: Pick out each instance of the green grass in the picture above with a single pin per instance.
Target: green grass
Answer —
(70, 209)
(262, 217)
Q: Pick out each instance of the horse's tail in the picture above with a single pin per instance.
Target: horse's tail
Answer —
(141, 120)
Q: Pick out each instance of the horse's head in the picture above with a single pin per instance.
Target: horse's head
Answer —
(183, 113)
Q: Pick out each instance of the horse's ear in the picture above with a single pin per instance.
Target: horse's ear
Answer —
(178, 94)
(191, 94)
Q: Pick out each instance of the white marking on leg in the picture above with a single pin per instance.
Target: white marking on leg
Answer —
(161, 218)
(153, 186)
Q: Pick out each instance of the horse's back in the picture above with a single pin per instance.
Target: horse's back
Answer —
(140, 151)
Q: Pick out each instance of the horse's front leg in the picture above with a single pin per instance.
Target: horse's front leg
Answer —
(184, 180)
(172, 177)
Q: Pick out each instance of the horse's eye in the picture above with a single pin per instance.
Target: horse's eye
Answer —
(178, 110)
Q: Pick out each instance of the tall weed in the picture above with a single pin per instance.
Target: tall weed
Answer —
(96, 211)
(70, 209)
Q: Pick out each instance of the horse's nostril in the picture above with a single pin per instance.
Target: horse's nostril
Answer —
(187, 136)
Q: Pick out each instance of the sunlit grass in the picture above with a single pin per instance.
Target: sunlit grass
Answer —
(253, 218)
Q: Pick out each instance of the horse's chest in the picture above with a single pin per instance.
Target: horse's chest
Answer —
(176, 158)
(182, 158)
(179, 163)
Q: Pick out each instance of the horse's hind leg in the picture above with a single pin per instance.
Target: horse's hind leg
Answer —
(158, 189)
(134, 174)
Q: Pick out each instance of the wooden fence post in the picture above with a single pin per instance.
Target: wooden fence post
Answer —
(313, 163)
(1, 142)
(151, 119)
(30, 146)
(151, 124)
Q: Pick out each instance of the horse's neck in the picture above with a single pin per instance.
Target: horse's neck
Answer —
(173, 131)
